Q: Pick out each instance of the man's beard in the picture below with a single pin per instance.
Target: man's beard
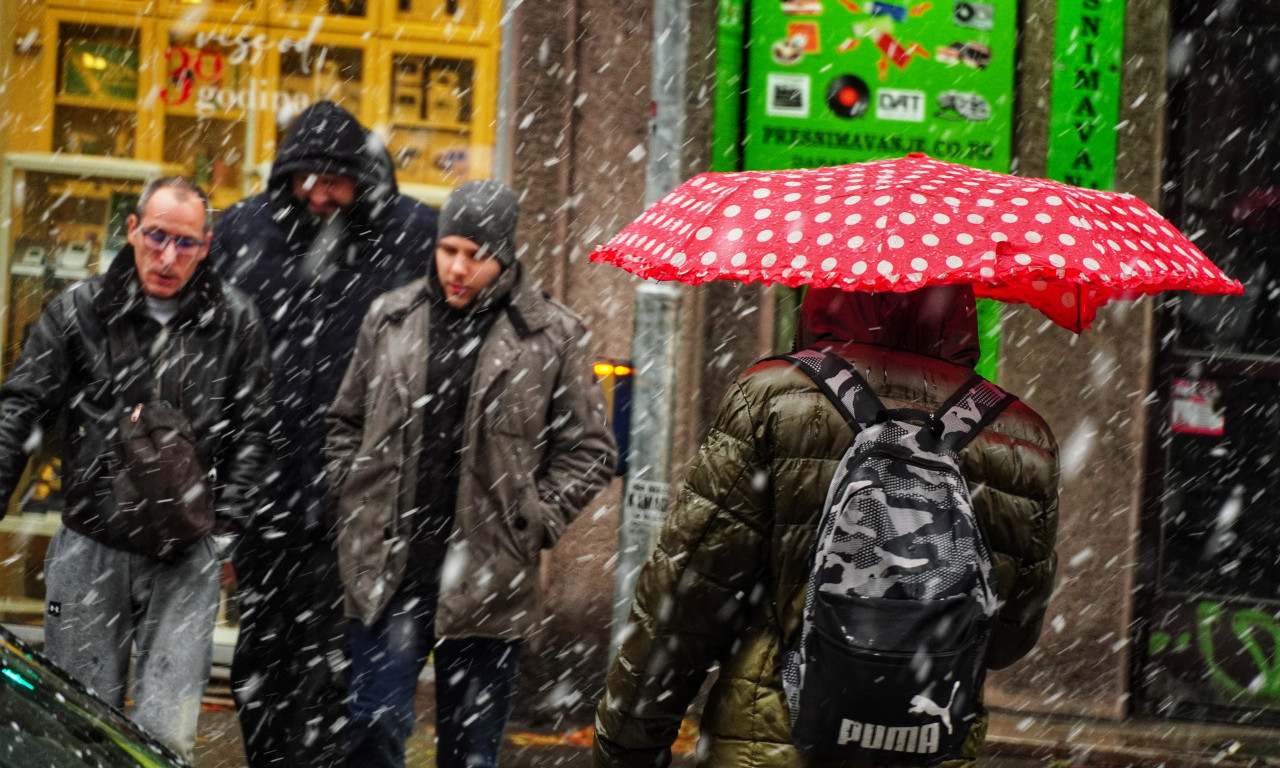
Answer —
(326, 251)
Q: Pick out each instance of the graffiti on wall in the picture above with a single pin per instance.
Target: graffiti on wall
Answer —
(1235, 650)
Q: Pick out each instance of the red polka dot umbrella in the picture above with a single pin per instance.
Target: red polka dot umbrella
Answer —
(898, 225)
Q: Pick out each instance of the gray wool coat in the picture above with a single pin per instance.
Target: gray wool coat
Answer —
(536, 449)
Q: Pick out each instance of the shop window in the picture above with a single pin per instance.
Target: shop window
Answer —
(1213, 536)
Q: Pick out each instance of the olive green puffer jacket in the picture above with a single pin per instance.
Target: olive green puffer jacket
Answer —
(726, 583)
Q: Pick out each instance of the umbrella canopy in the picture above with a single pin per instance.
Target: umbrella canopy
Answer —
(898, 225)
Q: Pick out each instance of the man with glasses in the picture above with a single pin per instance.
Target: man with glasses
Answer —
(156, 325)
(330, 234)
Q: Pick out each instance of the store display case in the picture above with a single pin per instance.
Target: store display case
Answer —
(213, 94)
(330, 15)
(301, 72)
(454, 20)
(236, 11)
(94, 63)
(438, 112)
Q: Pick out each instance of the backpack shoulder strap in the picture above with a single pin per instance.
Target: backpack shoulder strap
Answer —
(968, 411)
(841, 383)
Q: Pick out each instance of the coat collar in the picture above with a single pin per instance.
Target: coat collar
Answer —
(201, 301)
(527, 306)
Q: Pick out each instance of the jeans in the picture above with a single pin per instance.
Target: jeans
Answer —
(102, 601)
(475, 680)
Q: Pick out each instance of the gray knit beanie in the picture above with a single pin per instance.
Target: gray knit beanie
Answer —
(483, 211)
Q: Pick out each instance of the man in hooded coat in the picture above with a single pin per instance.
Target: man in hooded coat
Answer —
(331, 233)
(726, 582)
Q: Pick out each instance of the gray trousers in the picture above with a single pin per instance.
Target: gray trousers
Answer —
(100, 601)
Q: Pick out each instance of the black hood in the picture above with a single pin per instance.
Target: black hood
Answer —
(325, 138)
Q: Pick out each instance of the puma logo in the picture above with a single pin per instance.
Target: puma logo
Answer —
(923, 705)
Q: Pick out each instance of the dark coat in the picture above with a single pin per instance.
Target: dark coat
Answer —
(66, 368)
(727, 580)
(535, 450)
(312, 314)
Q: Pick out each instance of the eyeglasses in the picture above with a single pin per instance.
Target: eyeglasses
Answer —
(158, 239)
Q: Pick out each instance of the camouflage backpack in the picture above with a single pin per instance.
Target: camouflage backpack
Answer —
(891, 657)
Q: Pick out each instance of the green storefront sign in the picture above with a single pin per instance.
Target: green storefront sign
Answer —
(842, 81)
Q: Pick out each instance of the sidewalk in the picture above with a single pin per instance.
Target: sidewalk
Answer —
(1015, 740)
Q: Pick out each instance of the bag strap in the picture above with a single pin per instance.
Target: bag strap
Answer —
(125, 357)
(968, 411)
(956, 422)
(842, 384)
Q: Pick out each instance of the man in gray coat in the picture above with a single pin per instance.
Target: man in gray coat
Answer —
(467, 435)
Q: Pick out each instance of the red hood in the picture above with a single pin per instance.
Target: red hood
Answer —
(938, 321)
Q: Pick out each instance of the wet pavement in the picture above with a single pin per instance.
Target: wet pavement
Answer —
(1015, 740)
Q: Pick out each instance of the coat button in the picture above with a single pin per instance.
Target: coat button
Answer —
(521, 523)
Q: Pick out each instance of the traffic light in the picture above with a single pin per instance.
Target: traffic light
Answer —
(615, 378)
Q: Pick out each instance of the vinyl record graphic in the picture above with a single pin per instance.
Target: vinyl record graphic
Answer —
(848, 96)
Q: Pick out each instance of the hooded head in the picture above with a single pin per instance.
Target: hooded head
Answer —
(326, 139)
(939, 321)
(483, 211)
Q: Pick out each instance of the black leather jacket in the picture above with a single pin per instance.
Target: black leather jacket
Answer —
(65, 370)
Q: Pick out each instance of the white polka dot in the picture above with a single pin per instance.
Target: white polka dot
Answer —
(941, 218)
(986, 273)
(954, 262)
(1009, 218)
(1057, 260)
(974, 218)
(855, 241)
(919, 264)
(703, 233)
(930, 239)
(795, 237)
(760, 194)
(791, 197)
(853, 218)
(852, 200)
(964, 238)
(1066, 239)
(822, 218)
(762, 213)
(1039, 285)
(882, 222)
(825, 239)
(678, 260)
(951, 201)
(1043, 218)
(792, 215)
(732, 211)
(918, 198)
(885, 268)
(985, 203)
(906, 218)
(1033, 237)
(798, 262)
(1053, 200)
(1019, 201)
(738, 259)
(820, 199)
(709, 258)
(764, 236)
(858, 267)
(895, 242)
(733, 234)
(1068, 300)
(829, 264)
(1022, 259)
(999, 237)
(883, 200)
(768, 260)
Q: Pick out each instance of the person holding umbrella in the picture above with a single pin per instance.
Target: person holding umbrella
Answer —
(726, 583)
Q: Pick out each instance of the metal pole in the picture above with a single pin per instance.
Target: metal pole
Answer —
(657, 318)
